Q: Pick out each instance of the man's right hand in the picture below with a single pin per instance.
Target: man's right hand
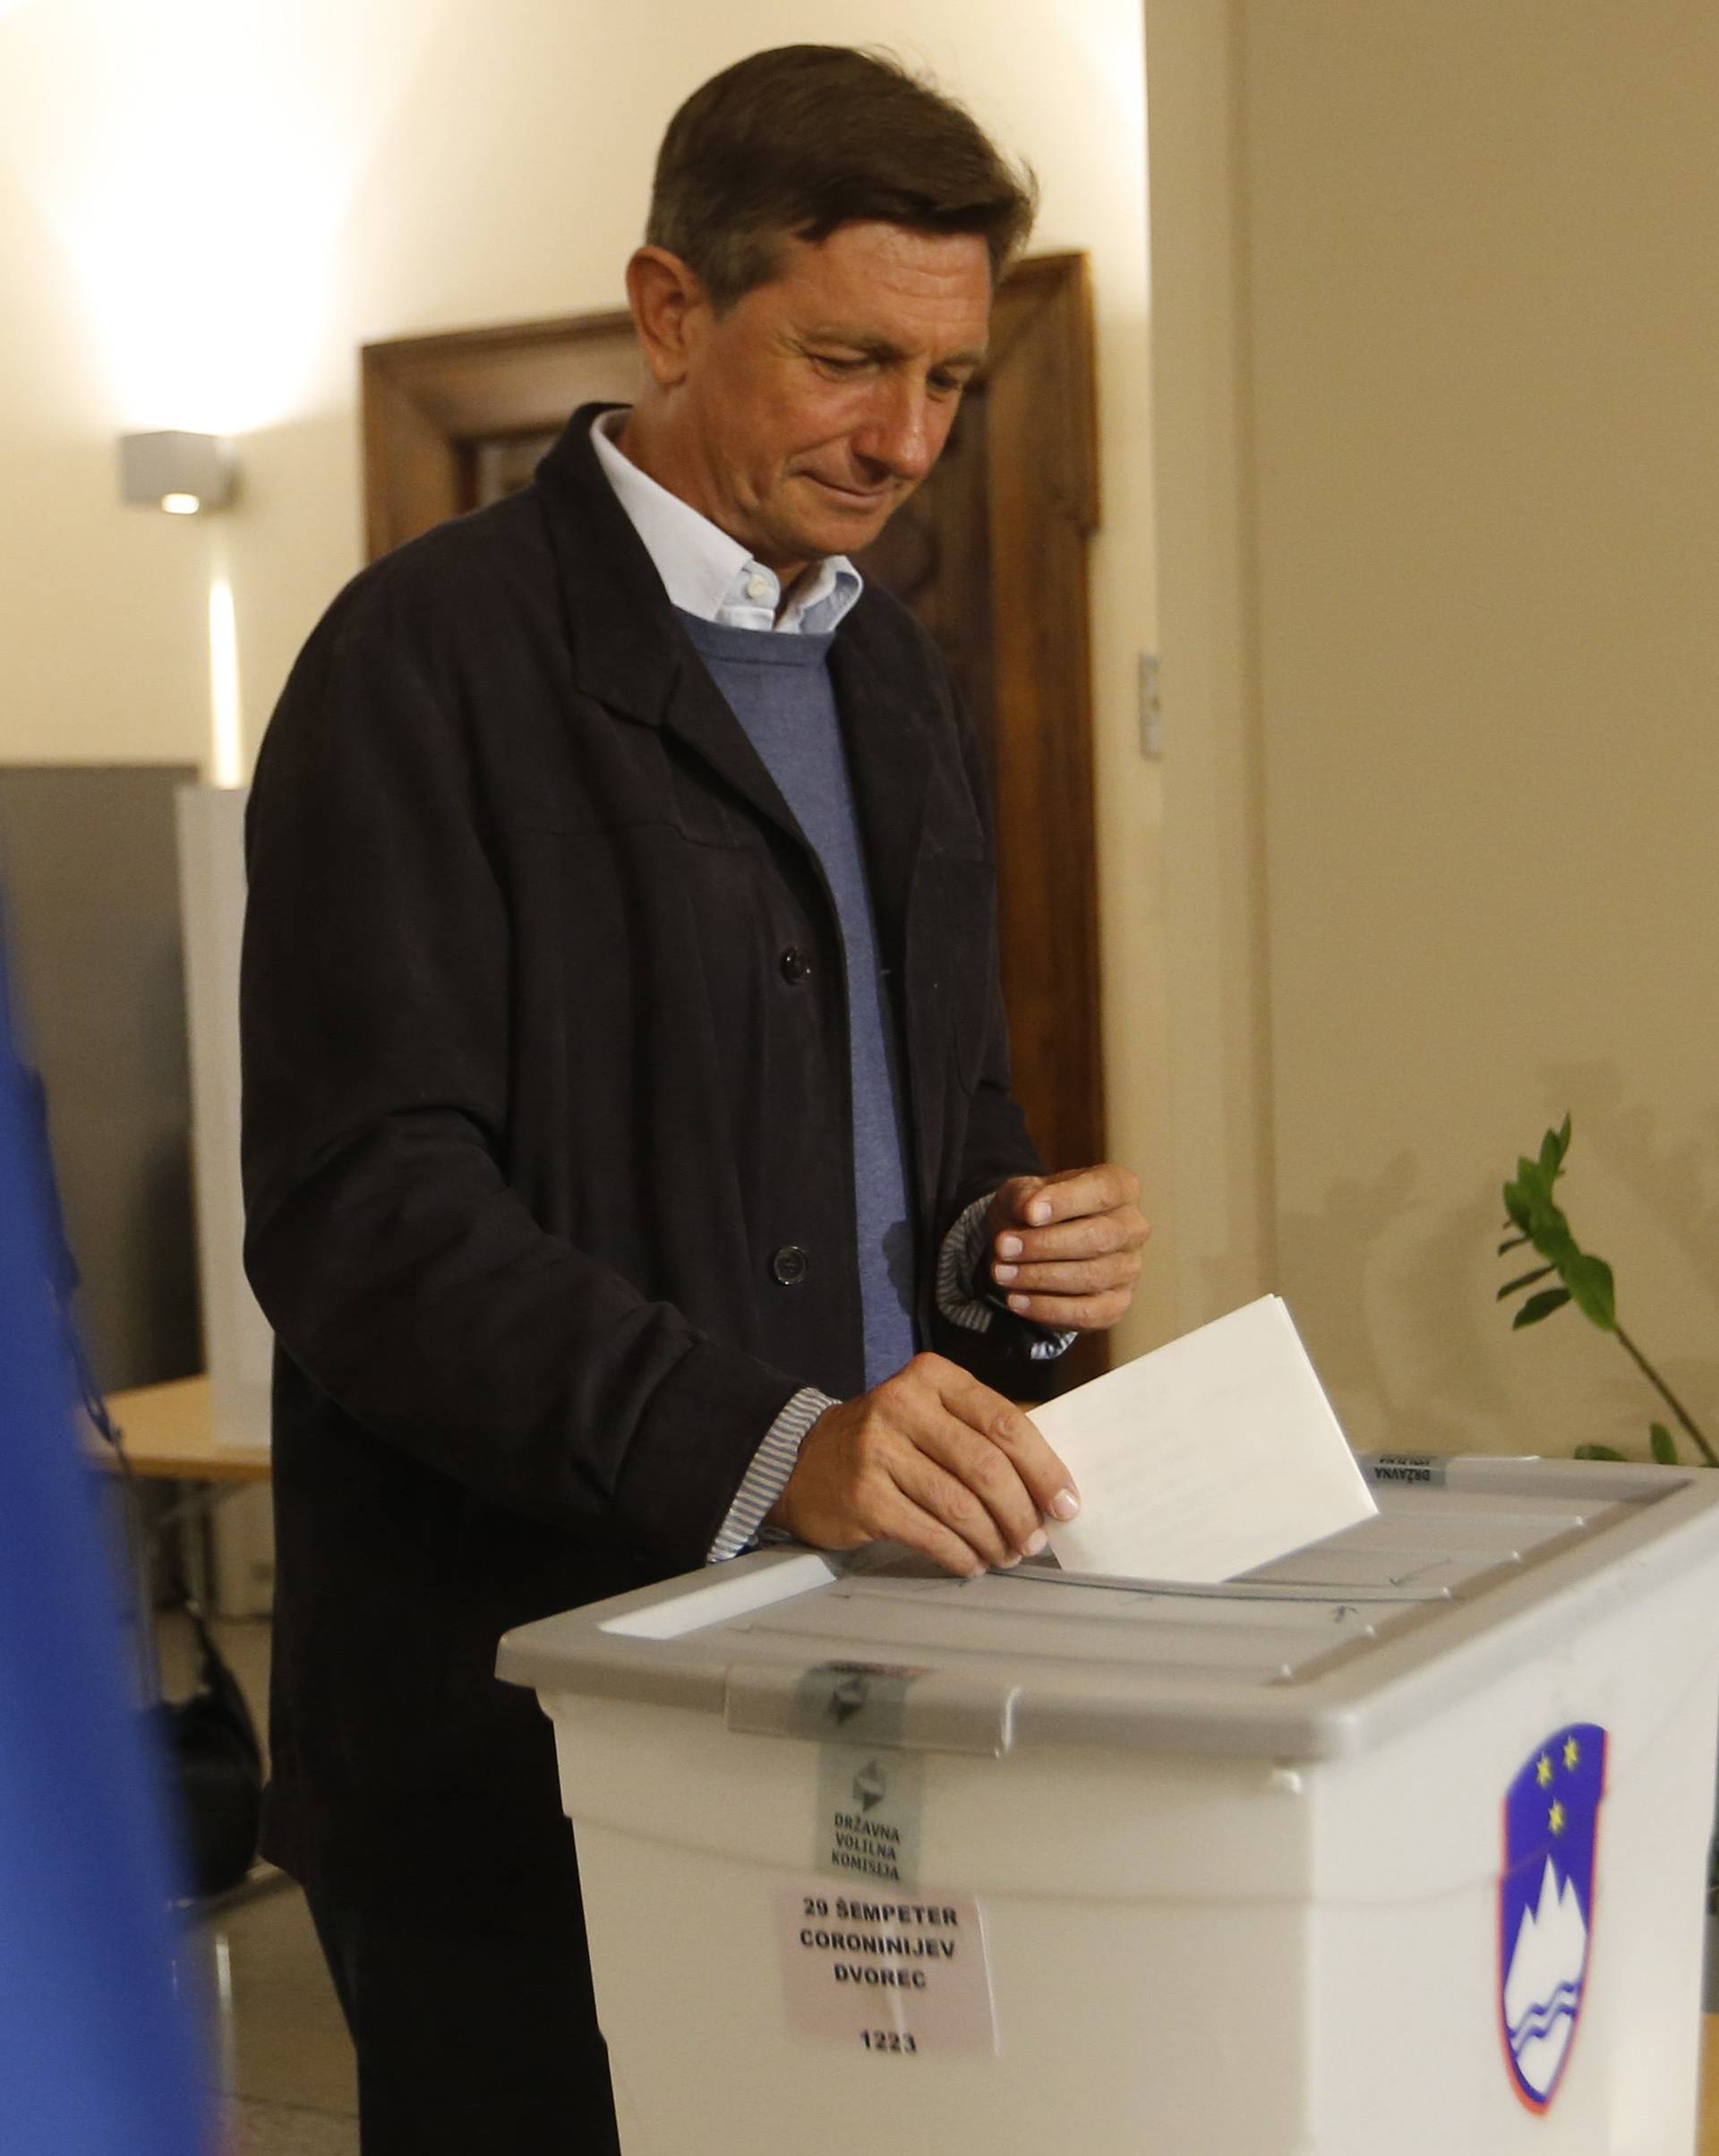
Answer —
(933, 1459)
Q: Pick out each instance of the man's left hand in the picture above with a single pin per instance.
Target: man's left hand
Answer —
(1065, 1249)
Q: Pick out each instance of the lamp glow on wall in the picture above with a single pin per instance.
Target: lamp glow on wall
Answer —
(187, 475)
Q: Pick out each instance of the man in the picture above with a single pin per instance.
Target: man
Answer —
(629, 1155)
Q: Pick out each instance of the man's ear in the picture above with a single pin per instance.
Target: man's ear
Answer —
(671, 307)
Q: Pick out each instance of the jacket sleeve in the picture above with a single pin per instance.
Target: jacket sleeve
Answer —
(397, 1267)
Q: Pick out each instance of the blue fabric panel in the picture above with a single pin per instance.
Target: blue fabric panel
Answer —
(96, 2054)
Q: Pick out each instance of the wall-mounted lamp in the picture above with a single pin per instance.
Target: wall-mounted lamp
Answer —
(179, 473)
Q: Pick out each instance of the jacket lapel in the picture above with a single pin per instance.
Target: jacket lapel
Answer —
(887, 728)
(632, 654)
(630, 650)
(699, 715)
(888, 718)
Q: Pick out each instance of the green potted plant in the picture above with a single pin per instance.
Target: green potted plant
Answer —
(1576, 1275)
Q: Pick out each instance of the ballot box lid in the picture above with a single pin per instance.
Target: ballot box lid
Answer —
(1470, 1567)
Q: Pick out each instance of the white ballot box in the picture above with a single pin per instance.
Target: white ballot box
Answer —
(1396, 1847)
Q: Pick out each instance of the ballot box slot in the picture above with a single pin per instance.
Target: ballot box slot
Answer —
(1031, 1635)
(918, 1579)
(1045, 1639)
(1242, 1661)
(1018, 1593)
(1422, 1571)
(1245, 1593)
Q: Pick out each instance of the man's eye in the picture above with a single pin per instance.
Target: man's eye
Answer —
(838, 363)
(948, 385)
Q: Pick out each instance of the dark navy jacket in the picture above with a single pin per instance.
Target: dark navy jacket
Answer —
(547, 1140)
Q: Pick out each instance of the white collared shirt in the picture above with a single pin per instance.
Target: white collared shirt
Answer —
(706, 573)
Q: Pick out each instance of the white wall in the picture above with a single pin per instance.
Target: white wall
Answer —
(205, 209)
(1439, 485)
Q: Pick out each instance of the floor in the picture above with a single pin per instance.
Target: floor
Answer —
(278, 2048)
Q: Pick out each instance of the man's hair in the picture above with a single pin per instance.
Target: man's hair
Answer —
(801, 139)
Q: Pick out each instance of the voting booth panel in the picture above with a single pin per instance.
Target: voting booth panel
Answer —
(1396, 1845)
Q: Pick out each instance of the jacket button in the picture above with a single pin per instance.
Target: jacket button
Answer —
(796, 964)
(790, 1264)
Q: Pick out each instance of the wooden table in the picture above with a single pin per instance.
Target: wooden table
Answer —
(169, 1433)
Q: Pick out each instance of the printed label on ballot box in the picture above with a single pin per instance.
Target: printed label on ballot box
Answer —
(893, 1973)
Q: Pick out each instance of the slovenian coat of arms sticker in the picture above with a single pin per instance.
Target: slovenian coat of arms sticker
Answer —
(1545, 1904)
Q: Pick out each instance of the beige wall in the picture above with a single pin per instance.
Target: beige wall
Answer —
(205, 209)
(1439, 477)
(1436, 449)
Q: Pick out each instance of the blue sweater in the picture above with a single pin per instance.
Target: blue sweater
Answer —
(779, 688)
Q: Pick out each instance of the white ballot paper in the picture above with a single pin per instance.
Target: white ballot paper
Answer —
(1211, 1455)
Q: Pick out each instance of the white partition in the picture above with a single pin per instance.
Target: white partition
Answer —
(237, 1342)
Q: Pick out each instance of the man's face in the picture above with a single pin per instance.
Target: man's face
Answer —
(818, 403)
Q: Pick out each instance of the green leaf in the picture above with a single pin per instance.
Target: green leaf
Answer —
(1664, 1445)
(1544, 1206)
(1514, 1243)
(1526, 1281)
(1528, 1202)
(1548, 1226)
(1597, 1452)
(1589, 1281)
(1540, 1305)
(1551, 1236)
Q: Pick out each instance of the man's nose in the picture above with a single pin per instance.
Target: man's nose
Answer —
(900, 431)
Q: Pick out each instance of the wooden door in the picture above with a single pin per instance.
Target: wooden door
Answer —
(990, 555)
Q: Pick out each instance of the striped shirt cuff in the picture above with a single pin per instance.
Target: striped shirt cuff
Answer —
(766, 1478)
(958, 1265)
